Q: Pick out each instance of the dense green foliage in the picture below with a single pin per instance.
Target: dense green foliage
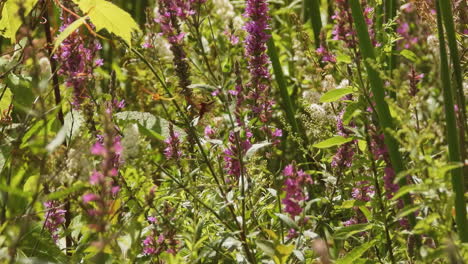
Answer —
(218, 131)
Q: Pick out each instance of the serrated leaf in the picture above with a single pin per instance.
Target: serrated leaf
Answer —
(68, 31)
(10, 20)
(334, 141)
(106, 15)
(335, 95)
(356, 253)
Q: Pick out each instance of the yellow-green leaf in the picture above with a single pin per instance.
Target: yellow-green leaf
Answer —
(106, 15)
(6, 98)
(69, 30)
(334, 141)
(356, 253)
(335, 94)
(12, 12)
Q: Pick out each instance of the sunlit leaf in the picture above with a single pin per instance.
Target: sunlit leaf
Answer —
(106, 15)
(331, 142)
(11, 17)
(335, 95)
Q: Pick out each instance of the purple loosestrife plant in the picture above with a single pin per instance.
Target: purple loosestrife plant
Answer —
(171, 12)
(54, 218)
(293, 187)
(162, 235)
(344, 156)
(172, 150)
(105, 179)
(343, 29)
(77, 56)
(364, 192)
(233, 165)
(255, 49)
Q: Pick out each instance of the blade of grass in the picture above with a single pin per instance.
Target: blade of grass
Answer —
(390, 13)
(447, 20)
(377, 87)
(279, 77)
(452, 135)
(313, 8)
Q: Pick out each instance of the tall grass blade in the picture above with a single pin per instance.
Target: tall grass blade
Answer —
(377, 87)
(279, 77)
(390, 13)
(313, 7)
(447, 20)
(452, 135)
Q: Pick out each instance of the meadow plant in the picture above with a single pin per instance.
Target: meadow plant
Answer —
(193, 131)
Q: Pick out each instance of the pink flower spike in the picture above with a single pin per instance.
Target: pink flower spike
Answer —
(95, 177)
(89, 197)
(98, 149)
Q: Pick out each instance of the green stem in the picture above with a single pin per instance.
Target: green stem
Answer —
(447, 19)
(452, 135)
(315, 19)
(390, 13)
(279, 77)
(377, 87)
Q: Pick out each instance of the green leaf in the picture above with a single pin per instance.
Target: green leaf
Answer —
(356, 253)
(288, 221)
(282, 253)
(20, 86)
(335, 95)
(409, 209)
(352, 203)
(347, 231)
(6, 99)
(343, 58)
(255, 148)
(106, 15)
(10, 20)
(409, 55)
(266, 246)
(334, 141)
(406, 189)
(351, 110)
(14, 191)
(68, 31)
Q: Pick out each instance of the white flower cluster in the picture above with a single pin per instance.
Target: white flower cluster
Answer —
(130, 142)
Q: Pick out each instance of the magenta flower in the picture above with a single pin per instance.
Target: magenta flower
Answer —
(232, 153)
(325, 54)
(343, 29)
(172, 150)
(258, 60)
(54, 217)
(345, 153)
(293, 186)
(209, 132)
(77, 59)
(89, 197)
